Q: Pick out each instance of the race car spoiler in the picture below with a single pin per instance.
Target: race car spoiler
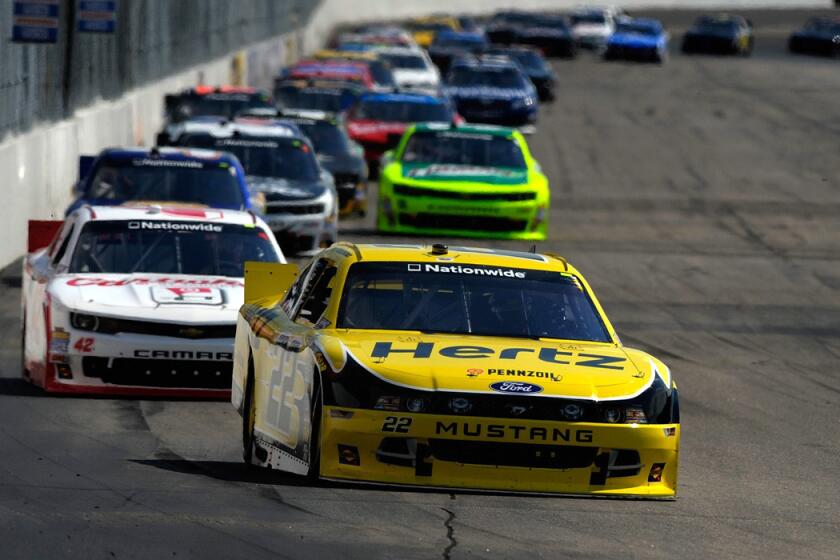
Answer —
(263, 280)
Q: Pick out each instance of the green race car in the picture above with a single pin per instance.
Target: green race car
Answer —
(468, 180)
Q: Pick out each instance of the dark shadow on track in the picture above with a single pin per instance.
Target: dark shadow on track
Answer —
(242, 473)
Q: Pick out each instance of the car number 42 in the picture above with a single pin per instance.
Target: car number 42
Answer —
(396, 424)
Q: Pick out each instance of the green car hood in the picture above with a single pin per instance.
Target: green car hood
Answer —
(464, 173)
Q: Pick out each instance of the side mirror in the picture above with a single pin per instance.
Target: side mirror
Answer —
(85, 165)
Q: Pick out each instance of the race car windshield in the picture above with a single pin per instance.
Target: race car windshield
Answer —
(717, 25)
(169, 247)
(456, 148)
(512, 18)
(283, 158)
(217, 106)
(463, 43)
(404, 61)
(399, 111)
(495, 77)
(468, 299)
(637, 29)
(212, 184)
(595, 19)
(328, 100)
(326, 137)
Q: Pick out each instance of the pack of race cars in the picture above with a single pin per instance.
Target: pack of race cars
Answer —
(402, 364)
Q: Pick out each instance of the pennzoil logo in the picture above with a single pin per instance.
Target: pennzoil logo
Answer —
(474, 372)
(502, 372)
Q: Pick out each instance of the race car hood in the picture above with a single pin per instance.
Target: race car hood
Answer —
(375, 131)
(591, 30)
(464, 173)
(154, 297)
(276, 188)
(343, 164)
(416, 78)
(634, 40)
(441, 362)
(486, 92)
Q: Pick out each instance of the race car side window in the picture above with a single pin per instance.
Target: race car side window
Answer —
(293, 295)
(62, 248)
(317, 296)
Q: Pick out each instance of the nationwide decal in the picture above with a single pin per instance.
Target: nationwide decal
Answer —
(487, 92)
(549, 355)
(461, 171)
(221, 143)
(522, 433)
(174, 226)
(470, 270)
(149, 162)
(193, 282)
(525, 373)
(517, 387)
(184, 355)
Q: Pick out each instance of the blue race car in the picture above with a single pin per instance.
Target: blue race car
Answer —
(162, 175)
(638, 39)
(449, 45)
(493, 90)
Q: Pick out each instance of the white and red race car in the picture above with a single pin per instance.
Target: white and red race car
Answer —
(138, 300)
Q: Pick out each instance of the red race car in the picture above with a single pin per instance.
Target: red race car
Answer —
(378, 120)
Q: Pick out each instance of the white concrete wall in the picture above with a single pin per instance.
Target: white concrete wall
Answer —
(39, 167)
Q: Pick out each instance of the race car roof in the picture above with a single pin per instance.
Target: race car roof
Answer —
(383, 252)
(173, 154)
(418, 98)
(140, 211)
(491, 61)
(466, 36)
(251, 127)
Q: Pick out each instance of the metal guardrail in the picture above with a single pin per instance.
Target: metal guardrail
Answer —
(153, 39)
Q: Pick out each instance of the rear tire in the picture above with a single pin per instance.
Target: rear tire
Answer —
(249, 416)
(315, 409)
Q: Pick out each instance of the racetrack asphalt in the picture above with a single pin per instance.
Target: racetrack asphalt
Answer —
(702, 201)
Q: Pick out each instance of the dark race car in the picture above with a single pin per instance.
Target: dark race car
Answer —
(534, 65)
(339, 155)
(720, 34)
(493, 90)
(504, 27)
(449, 45)
(162, 175)
(301, 206)
(330, 97)
(550, 33)
(819, 35)
(207, 101)
(378, 120)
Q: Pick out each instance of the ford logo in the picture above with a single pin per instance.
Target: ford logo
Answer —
(515, 387)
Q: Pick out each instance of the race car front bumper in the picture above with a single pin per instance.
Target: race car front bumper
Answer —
(418, 211)
(302, 229)
(623, 460)
(138, 365)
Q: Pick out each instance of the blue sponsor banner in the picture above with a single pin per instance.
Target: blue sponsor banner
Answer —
(35, 21)
(97, 16)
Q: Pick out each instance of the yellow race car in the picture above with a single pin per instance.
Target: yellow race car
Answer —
(448, 367)
(424, 29)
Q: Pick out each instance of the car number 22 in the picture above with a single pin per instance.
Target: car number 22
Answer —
(396, 424)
